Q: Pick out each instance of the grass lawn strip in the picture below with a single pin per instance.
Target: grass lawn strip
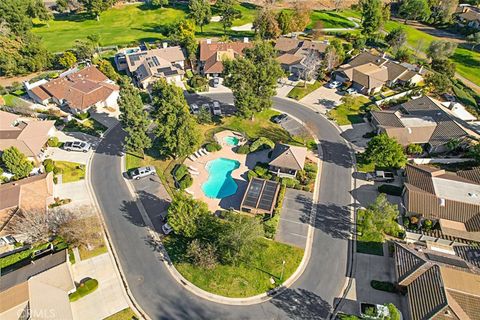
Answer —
(349, 114)
(300, 90)
(245, 279)
(125, 314)
(368, 244)
(71, 171)
(89, 126)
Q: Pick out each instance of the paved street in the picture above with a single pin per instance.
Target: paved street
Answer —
(311, 297)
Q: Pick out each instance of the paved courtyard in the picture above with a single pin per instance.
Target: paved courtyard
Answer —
(294, 218)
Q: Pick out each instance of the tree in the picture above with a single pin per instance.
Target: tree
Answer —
(385, 152)
(265, 24)
(34, 225)
(67, 60)
(134, 119)
(441, 49)
(184, 35)
(317, 30)
(285, 21)
(16, 162)
(414, 10)
(396, 38)
(176, 130)
(442, 10)
(200, 12)
(84, 49)
(444, 66)
(414, 149)
(253, 78)
(228, 13)
(371, 16)
(262, 143)
(380, 218)
(184, 214)
(202, 255)
(17, 14)
(438, 83)
(95, 7)
(403, 55)
(237, 235)
(474, 39)
(453, 144)
(107, 69)
(159, 3)
(332, 60)
(474, 152)
(204, 116)
(301, 16)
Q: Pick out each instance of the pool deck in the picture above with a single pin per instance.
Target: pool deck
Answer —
(247, 162)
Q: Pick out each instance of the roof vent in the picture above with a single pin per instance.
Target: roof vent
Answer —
(409, 130)
(473, 195)
(209, 41)
(442, 202)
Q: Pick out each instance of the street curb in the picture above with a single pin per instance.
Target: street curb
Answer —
(218, 298)
(112, 252)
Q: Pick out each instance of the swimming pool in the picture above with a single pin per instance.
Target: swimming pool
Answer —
(220, 183)
(231, 140)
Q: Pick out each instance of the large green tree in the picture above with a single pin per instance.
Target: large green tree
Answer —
(372, 16)
(385, 152)
(200, 12)
(285, 21)
(441, 49)
(185, 214)
(176, 130)
(396, 38)
(442, 10)
(16, 162)
(67, 59)
(266, 24)
(228, 13)
(379, 219)
(95, 7)
(134, 119)
(17, 14)
(253, 78)
(183, 33)
(414, 10)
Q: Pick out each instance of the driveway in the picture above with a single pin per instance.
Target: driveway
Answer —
(294, 217)
(76, 191)
(323, 99)
(58, 154)
(108, 298)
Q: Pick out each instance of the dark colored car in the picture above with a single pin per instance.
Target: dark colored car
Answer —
(280, 118)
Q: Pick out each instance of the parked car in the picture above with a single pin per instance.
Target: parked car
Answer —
(280, 118)
(334, 84)
(206, 106)
(194, 108)
(216, 110)
(76, 146)
(381, 176)
(215, 82)
(142, 172)
(166, 228)
(351, 91)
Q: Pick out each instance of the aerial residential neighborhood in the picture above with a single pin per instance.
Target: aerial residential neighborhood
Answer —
(240, 159)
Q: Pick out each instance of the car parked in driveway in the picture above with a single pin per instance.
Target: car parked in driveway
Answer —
(194, 108)
(351, 91)
(215, 82)
(76, 146)
(334, 84)
(381, 176)
(216, 109)
(280, 118)
(166, 228)
(142, 172)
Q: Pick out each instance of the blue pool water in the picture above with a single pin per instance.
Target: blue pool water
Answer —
(220, 183)
(231, 141)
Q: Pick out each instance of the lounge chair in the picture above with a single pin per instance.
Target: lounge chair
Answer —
(189, 192)
(192, 168)
(192, 158)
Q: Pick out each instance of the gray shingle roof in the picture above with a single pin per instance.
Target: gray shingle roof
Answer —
(387, 119)
(406, 262)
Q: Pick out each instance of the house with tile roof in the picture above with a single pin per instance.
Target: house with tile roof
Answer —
(78, 90)
(287, 160)
(450, 200)
(468, 16)
(147, 66)
(419, 121)
(368, 73)
(300, 57)
(439, 284)
(27, 135)
(39, 290)
(213, 53)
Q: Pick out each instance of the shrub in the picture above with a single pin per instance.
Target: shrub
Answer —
(391, 190)
(383, 285)
(83, 289)
(53, 142)
(185, 182)
(82, 115)
(310, 167)
(262, 143)
(213, 146)
(243, 149)
(414, 220)
(202, 255)
(262, 172)
(289, 182)
(251, 174)
(180, 171)
(414, 149)
(57, 170)
(281, 196)
(427, 224)
(406, 222)
(49, 165)
(198, 82)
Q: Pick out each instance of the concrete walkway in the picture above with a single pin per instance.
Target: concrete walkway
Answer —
(108, 298)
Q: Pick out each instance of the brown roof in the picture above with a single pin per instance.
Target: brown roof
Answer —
(212, 53)
(288, 59)
(368, 75)
(295, 46)
(364, 58)
(289, 157)
(472, 174)
(170, 55)
(81, 89)
(470, 15)
(8, 120)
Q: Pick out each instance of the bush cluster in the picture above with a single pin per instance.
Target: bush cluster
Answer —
(83, 289)
(49, 165)
(53, 142)
(198, 82)
(243, 149)
(213, 146)
(82, 115)
(185, 182)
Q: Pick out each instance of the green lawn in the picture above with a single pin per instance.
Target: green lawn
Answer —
(11, 100)
(369, 244)
(89, 126)
(468, 62)
(363, 165)
(71, 171)
(349, 113)
(330, 19)
(125, 314)
(246, 279)
(300, 90)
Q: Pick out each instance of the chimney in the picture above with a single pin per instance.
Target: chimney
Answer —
(209, 41)
(164, 45)
(245, 40)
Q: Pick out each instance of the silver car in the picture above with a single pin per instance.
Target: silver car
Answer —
(166, 228)
(76, 146)
(216, 109)
(142, 172)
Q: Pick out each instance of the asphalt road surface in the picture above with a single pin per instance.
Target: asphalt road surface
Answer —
(161, 297)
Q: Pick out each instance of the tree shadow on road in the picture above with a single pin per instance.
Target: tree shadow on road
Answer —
(337, 153)
(302, 304)
(332, 219)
